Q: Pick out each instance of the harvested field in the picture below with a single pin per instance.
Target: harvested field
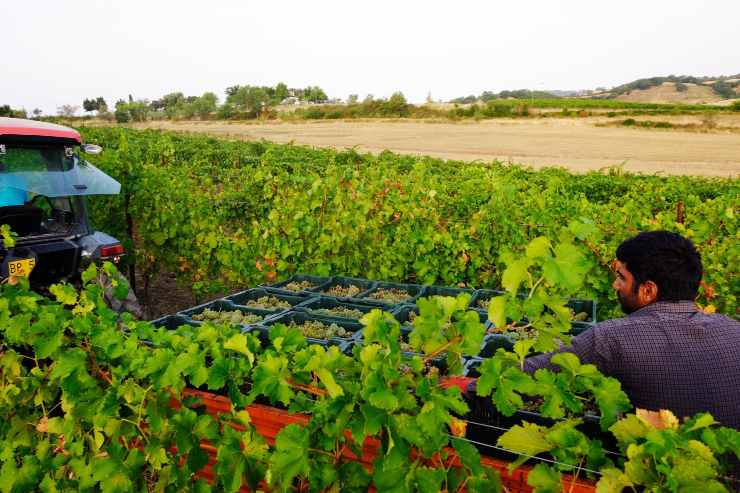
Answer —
(576, 144)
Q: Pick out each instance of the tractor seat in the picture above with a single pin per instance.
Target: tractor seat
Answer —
(24, 220)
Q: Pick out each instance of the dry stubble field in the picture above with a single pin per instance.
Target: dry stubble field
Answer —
(573, 143)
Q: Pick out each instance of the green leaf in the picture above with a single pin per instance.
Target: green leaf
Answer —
(539, 247)
(497, 311)
(527, 439)
(89, 274)
(8, 236)
(514, 274)
(390, 472)
(290, 458)
(611, 399)
(46, 346)
(630, 429)
(429, 479)
(270, 378)
(544, 479)
(328, 380)
(523, 347)
(700, 421)
(64, 293)
(613, 481)
(71, 361)
(384, 399)
(238, 343)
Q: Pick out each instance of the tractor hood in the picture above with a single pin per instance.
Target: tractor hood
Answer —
(81, 179)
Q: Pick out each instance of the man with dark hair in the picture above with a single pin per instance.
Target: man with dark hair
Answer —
(667, 353)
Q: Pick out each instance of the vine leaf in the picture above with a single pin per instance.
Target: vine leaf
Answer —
(290, 458)
(238, 343)
(544, 479)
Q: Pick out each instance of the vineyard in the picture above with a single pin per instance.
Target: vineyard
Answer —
(224, 214)
(319, 383)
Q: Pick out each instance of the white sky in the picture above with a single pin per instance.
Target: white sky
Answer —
(59, 52)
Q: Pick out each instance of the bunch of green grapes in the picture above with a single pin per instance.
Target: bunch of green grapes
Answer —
(234, 317)
(339, 311)
(319, 330)
(523, 332)
(483, 303)
(267, 303)
(299, 285)
(348, 292)
(394, 295)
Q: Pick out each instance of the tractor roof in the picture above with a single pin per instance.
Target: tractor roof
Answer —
(18, 127)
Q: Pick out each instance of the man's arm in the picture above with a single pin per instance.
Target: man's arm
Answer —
(590, 347)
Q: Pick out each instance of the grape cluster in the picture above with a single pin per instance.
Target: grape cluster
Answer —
(483, 303)
(234, 317)
(319, 330)
(394, 295)
(339, 311)
(518, 333)
(405, 347)
(299, 285)
(340, 290)
(267, 303)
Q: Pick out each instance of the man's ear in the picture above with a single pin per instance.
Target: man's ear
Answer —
(647, 293)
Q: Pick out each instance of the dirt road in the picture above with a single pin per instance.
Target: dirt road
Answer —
(573, 143)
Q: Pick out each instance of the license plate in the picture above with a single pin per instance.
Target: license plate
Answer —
(21, 268)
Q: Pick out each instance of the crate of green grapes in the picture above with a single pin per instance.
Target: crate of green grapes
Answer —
(224, 312)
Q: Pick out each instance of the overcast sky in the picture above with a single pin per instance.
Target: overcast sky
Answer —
(58, 52)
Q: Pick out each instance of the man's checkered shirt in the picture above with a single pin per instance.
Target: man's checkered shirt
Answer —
(668, 355)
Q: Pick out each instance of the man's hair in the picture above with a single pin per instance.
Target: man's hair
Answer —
(668, 259)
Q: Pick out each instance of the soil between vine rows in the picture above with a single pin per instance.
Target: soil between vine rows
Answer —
(167, 296)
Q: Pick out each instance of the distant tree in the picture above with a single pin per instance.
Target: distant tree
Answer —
(352, 99)
(226, 111)
(488, 96)
(97, 104)
(314, 94)
(206, 104)
(6, 110)
(89, 105)
(249, 99)
(724, 90)
(464, 100)
(429, 99)
(281, 92)
(396, 105)
(230, 91)
(122, 113)
(102, 106)
(681, 87)
(137, 111)
(67, 110)
(368, 99)
(37, 113)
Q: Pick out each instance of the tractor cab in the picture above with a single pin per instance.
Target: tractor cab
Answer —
(43, 188)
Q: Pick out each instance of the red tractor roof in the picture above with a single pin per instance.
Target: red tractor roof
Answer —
(31, 128)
